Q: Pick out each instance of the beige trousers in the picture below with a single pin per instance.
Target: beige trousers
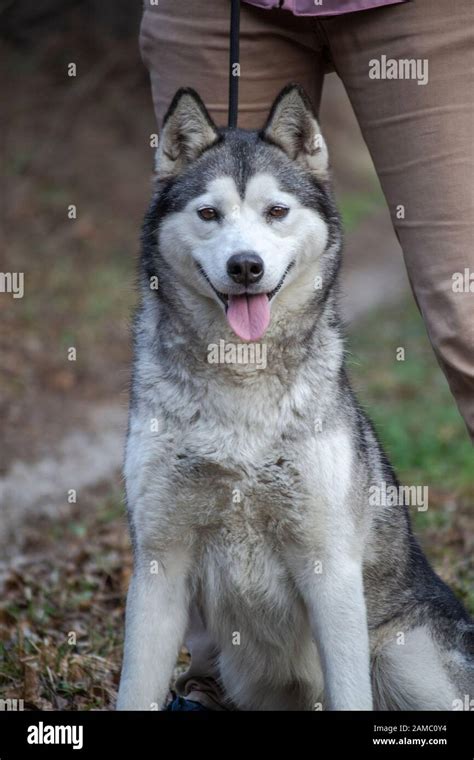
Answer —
(420, 136)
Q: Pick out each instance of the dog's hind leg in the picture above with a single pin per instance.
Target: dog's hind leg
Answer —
(411, 671)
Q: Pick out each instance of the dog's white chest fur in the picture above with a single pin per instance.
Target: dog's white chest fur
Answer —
(242, 574)
(247, 596)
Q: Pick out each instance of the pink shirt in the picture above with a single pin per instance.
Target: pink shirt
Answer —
(325, 8)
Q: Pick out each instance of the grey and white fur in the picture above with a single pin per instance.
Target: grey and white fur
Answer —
(248, 489)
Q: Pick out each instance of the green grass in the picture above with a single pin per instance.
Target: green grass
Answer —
(421, 429)
(410, 402)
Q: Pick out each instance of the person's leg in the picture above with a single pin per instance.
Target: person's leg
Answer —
(421, 138)
(185, 43)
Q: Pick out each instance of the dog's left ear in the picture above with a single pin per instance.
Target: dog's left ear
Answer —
(293, 127)
(187, 131)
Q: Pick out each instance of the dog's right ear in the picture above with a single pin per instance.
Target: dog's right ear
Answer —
(187, 131)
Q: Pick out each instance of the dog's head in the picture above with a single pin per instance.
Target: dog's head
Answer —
(244, 218)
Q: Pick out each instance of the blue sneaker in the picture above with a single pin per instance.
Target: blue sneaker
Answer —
(181, 704)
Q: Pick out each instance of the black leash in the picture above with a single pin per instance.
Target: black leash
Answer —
(234, 59)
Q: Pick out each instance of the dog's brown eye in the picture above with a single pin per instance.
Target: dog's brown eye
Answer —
(277, 212)
(208, 213)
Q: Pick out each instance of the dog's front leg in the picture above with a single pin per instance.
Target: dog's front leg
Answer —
(334, 596)
(156, 619)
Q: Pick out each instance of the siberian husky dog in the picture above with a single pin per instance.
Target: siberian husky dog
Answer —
(251, 488)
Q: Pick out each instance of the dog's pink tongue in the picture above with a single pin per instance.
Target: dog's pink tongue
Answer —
(249, 315)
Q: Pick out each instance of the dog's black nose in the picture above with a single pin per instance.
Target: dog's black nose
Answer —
(245, 268)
